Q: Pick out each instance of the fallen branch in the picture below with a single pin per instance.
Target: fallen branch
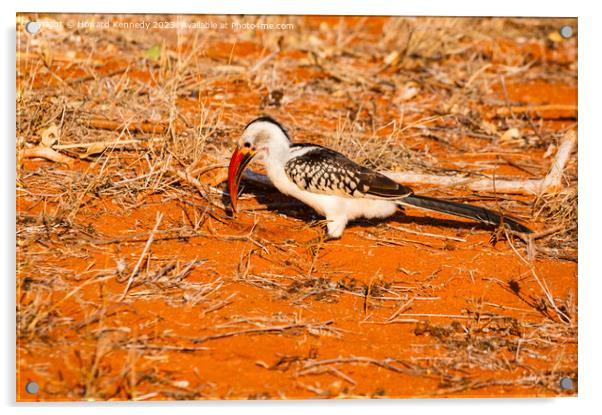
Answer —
(553, 181)
(47, 149)
(45, 153)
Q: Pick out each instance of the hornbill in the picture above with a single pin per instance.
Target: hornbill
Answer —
(333, 185)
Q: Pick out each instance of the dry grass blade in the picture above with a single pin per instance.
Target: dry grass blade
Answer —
(311, 328)
(385, 364)
(149, 242)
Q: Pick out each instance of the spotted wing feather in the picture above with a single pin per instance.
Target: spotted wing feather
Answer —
(321, 170)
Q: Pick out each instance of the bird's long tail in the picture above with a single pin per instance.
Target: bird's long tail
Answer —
(463, 210)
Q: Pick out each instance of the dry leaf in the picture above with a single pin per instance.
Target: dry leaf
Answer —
(50, 136)
(180, 383)
(409, 91)
(510, 136)
(392, 59)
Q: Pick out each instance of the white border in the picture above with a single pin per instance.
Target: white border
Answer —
(590, 232)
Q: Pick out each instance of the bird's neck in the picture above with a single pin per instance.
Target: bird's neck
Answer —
(276, 159)
(277, 155)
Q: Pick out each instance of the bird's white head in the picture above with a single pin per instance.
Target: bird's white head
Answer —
(263, 139)
(266, 138)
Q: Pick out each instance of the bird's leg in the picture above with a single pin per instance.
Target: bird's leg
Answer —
(336, 225)
(334, 229)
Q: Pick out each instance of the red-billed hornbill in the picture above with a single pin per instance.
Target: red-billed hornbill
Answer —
(333, 185)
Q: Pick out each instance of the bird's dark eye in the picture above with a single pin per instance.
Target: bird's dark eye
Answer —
(247, 144)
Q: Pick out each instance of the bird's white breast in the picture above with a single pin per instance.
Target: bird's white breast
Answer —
(331, 205)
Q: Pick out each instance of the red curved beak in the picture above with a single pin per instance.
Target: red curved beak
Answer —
(238, 162)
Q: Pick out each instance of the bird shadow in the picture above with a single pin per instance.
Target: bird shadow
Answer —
(281, 204)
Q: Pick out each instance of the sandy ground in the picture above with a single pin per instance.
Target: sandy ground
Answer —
(258, 306)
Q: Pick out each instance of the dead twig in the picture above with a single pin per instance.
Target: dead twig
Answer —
(45, 153)
(134, 127)
(144, 251)
(165, 348)
(105, 144)
(385, 364)
(309, 327)
(433, 235)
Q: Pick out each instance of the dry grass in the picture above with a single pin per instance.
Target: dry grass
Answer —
(165, 112)
(559, 210)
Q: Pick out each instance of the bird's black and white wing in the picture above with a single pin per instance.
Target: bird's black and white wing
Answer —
(318, 169)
